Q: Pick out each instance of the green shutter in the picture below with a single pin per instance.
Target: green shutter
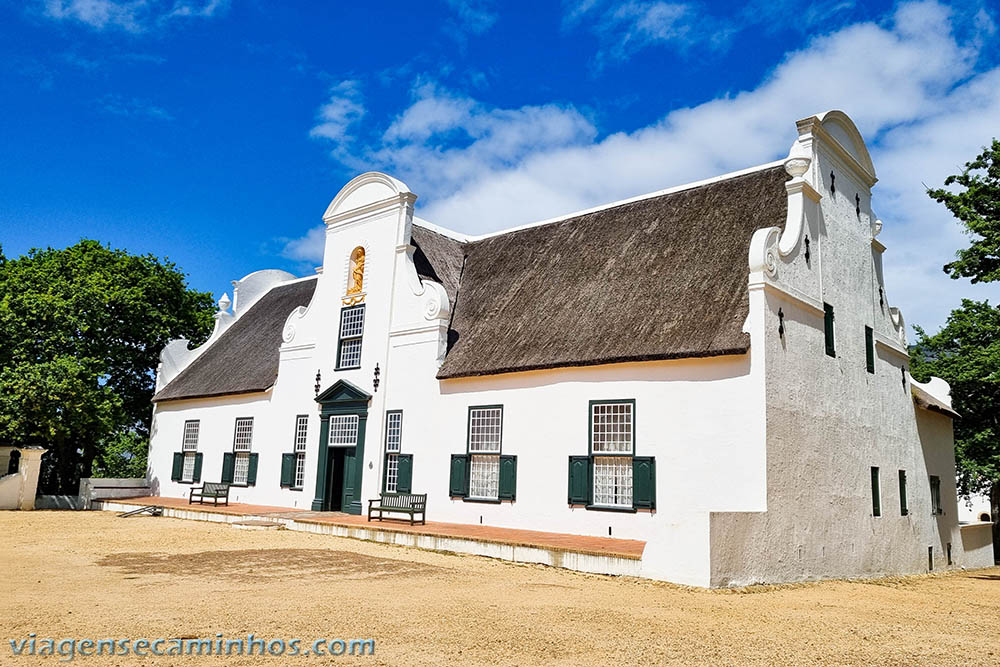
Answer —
(870, 349)
(288, 469)
(903, 509)
(228, 464)
(178, 469)
(935, 494)
(876, 500)
(252, 469)
(197, 467)
(508, 477)
(458, 485)
(643, 482)
(579, 480)
(828, 329)
(404, 481)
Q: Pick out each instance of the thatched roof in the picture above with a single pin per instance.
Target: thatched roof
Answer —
(245, 357)
(438, 258)
(663, 277)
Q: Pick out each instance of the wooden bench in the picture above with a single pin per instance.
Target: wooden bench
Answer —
(215, 491)
(403, 503)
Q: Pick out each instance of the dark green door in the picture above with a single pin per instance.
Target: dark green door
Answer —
(352, 490)
(341, 464)
(341, 448)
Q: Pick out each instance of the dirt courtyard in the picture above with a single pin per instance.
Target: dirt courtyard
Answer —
(93, 575)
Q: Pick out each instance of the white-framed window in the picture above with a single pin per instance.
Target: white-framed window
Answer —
(189, 446)
(352, 327)
(485, 429)
(243, 434)
(485, 436)
(343, 431)
(191, 431)
(393, 431)
(611, 427)
(613, 481)
(391, 473)
(241, 468)
(393, 443)
(301, 440)
(242, 443)
(484, 476)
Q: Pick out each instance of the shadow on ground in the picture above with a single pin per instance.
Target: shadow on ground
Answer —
(257, 564)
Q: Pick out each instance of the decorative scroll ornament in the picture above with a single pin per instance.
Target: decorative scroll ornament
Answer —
(431, 308)
(288, 332)
(436, 305)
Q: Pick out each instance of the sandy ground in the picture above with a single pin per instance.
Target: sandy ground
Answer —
(93, 575)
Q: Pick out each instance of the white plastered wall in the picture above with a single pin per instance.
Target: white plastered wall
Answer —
(829, 420)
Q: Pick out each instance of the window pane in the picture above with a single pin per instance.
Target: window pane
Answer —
(611, 426)
(350, 353)
(484, 429)
(352, 322)
(191, 429)
(343, 430)
(613, 481)
(393, 431)
(484, 477)
(244, 434)
(301, 433)
(300, 470)
(188, 474)
(391, 473)
(241, 469)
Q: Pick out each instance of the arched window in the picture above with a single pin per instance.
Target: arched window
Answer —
(356, 279)
(13, 465)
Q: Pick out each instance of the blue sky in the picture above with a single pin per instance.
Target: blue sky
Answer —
(215, 133)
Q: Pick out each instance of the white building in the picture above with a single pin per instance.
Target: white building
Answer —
(714, 368)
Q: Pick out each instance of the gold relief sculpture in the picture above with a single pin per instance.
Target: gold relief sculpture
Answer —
(357, 275)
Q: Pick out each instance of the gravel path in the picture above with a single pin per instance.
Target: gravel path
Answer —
(93, 575)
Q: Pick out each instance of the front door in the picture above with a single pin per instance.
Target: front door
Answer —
(339, 471)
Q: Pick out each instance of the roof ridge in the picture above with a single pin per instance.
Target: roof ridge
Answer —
(473, 238)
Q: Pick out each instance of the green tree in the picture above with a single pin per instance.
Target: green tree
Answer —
(977, 206)
(966, 354)
(81, 331)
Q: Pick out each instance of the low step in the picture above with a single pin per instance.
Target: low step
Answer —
(256, 524)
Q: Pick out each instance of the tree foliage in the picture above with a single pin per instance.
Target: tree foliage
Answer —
(81, 330)
(977, 206)
(966, 354)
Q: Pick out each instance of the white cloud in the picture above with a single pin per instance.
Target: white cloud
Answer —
(133, 16)
(335, 118)
(627, 27)
(134, 107)
(908, 83)
(624, 28)
(452, 139)
(307, 250)
(474, 16)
